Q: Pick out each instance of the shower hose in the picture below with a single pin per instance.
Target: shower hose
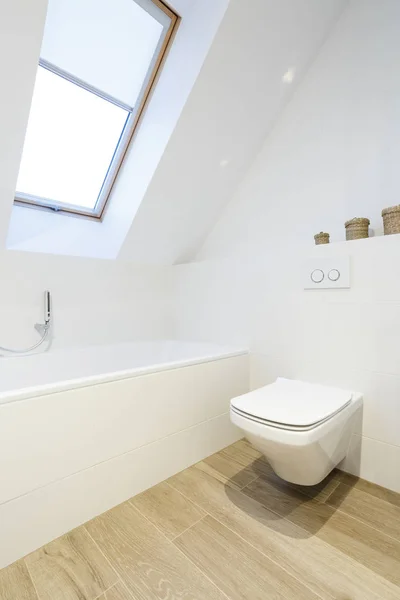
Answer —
(26, 350)
(43, 329)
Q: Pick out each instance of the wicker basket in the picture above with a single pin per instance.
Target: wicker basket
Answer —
(321, 238)
(357, 229)
(391, 220)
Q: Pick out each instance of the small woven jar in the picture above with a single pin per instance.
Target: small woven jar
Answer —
(357, 228)
(391, 220)
(321, 238)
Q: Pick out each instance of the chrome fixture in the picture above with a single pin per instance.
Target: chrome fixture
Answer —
(42, 328)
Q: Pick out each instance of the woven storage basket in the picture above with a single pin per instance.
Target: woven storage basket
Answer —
(391, 220)
(357, 229)
(321, 238)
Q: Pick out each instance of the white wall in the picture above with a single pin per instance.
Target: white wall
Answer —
(21, 29)
(333, 155)
(94, 301)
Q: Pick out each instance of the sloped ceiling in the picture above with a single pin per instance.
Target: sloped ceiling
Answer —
(47, 231)
(238, 96)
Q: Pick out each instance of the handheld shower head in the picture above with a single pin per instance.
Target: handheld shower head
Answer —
(47, 307)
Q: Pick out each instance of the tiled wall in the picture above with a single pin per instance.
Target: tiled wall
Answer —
(94, 301)
(333, 155)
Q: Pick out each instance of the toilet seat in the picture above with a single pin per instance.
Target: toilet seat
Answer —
(283, 425)
(291, 405)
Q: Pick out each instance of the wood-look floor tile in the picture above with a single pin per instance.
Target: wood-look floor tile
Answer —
(118, 592)
(228, 471)
(237, 568)
(367, 508)
(243, 453)
(244, 450)
(366, 545)
(167, 509)
(327, 571)
(285, 500)
(16, 584)
(151, 566)
(321, 491)
(70, 568)
(370, 488)
(339, 540)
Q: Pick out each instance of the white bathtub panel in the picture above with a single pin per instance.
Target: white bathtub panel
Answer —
(33, 520)
(50, 437)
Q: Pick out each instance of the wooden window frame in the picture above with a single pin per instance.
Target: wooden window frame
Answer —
(127, 137)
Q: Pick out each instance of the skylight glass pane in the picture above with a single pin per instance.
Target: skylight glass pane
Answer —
(70, 142)
(110, 44)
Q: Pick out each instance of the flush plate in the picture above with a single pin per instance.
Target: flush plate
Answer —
(327, 273)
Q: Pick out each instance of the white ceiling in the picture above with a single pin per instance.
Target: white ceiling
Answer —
(238, 96)
(52, 233)
(233, 104)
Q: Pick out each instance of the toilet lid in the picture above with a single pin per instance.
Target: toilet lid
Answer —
(292, 403)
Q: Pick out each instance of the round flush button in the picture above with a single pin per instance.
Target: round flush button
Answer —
(334, 275)
(317, 276)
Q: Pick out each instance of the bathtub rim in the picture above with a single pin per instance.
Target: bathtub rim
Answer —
(11, 396)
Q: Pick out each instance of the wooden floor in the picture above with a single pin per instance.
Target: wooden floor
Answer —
(226, 528)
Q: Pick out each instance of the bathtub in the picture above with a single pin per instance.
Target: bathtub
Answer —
(83, 430)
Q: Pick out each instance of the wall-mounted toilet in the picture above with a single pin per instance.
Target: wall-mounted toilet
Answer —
(302, 429)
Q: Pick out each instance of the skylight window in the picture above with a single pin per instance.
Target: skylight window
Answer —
(99, 61)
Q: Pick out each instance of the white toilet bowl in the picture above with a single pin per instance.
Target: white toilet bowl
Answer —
(302, 429)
